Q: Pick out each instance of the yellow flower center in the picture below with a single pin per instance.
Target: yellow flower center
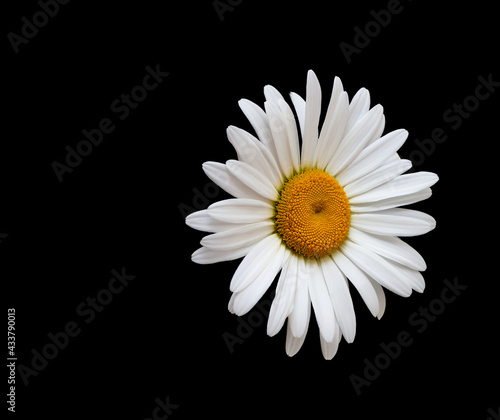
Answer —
(312, 214)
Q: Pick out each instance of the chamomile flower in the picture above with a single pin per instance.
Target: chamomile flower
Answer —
(319, 208)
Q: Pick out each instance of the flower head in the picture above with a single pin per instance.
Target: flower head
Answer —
(321, 208)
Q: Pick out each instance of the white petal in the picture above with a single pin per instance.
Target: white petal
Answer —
(259, 121)
(420, 215)
(329, 350)
(293, 136)
(321, 302)
(293, 344)
(219, 173)
(201, 220)
(373, 156)
(239, 236)
(230, 305)
(380, 296)
(250, 295)
(394, 222)
(256, 261)
(378, 131)
(333, 126)
(285, 293)
(313, 111)
(390, 203)
(240, 210)
(253, 179)
(300, 108)
(207, 256)
(382, 174)
(360, 281)
(376, 267)
(358, 107)
(280, 136)
(341, 298)
(355, 141)
(244, 143)
(272, 94)
(412, 277)
(335, 132)
(402, 185)
(298, 319)
(252, 151)
(390, 247)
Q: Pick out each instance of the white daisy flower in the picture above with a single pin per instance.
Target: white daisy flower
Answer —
(322, 207)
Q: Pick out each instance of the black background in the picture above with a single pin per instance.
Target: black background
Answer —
(123, 206)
